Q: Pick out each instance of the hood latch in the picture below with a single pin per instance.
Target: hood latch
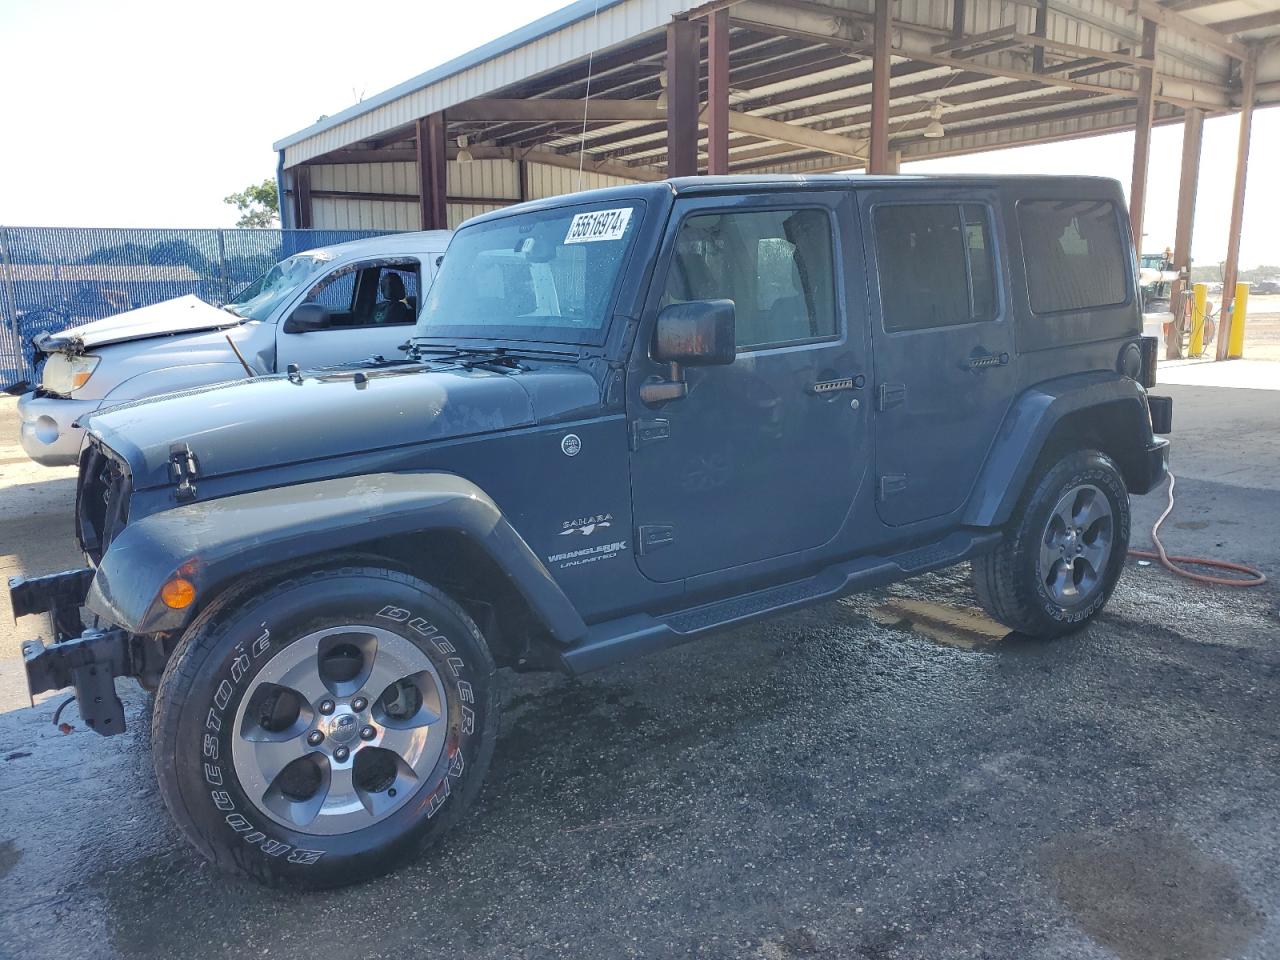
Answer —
(183, 470)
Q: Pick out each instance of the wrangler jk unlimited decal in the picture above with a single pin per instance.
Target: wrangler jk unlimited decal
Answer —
(573, 558)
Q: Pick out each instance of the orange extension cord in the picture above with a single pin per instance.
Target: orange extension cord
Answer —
(1252, 577)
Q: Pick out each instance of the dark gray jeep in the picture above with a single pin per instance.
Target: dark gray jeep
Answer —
(625, 418)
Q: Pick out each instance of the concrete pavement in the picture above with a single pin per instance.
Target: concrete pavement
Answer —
(842, 782)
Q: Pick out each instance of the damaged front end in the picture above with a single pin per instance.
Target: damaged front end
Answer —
(87, 659)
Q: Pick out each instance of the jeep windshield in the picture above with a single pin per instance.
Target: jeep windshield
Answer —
(548, 275)
(260, 298)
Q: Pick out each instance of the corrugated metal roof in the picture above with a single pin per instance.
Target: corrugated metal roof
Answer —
(504, 44)
(804, 62)
(555, 39)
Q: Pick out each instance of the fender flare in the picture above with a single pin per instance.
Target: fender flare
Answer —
(1031, 421)
(215, 542)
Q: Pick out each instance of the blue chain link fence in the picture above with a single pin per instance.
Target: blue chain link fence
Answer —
(52, 278)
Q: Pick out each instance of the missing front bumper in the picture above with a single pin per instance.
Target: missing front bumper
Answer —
(88, 660)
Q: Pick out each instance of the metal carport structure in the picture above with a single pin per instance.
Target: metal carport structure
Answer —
(608, 91)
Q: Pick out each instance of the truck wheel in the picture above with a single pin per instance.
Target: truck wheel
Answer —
(325, 728)
(1059, 561)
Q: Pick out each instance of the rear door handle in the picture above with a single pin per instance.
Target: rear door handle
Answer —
(984, 360)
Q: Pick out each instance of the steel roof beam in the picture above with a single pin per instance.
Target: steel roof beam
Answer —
(498, 110)
(1172, 20)
(952, 117)
(653, 134)
(1213, 99)
(1241, 24)
(787, 65)
(1085, 110)
(1181, 6)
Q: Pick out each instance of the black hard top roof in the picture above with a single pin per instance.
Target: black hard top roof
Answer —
(1090, 187)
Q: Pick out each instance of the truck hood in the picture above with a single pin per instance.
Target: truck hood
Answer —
(273, 421)
(181, 315)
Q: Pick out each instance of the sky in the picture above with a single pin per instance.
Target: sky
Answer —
(143, 113)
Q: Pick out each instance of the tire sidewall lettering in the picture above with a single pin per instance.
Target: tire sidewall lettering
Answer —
(1120, 508)
(238, 814)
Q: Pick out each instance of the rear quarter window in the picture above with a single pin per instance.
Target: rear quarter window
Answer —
(1074, 253)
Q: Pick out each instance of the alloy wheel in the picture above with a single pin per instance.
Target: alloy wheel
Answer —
(1076, 546)
(339, 729)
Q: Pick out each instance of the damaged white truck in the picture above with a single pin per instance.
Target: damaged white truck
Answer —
(321, 307)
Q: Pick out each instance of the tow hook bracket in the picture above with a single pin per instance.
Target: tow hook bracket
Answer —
(89, 663)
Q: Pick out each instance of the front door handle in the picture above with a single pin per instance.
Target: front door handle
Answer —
(823, 387)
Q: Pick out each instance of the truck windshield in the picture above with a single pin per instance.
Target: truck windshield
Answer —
(549, 275)
(260, 298)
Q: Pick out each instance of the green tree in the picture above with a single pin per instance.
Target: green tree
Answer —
(259, 205)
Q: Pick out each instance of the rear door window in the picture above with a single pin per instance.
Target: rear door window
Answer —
(936, 265)
(1074, 254)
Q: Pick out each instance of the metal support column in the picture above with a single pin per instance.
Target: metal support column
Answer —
(1231, 271)
(683, 55)
(718, 92)
(1192, 136)
(1142, 133)
(1041, 30)
(433, 184)
(302, 197)
(879, 159)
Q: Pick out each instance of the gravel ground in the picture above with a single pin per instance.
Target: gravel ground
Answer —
(883, 777)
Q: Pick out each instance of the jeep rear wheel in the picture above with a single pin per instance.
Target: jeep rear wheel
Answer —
(326, 728)
(1059, 562)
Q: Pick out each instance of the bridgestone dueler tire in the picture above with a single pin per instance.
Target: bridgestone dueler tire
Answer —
(212, 668)
(1005, 580)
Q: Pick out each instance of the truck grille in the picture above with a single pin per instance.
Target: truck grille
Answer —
(102, 499)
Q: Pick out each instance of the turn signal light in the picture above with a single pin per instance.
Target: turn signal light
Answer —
(178, 593)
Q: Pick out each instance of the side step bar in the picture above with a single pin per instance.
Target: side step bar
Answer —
(607, 643)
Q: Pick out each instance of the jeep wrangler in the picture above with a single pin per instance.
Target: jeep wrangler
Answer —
(625, 418)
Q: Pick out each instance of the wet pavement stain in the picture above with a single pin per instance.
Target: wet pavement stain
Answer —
(1150, 895)
(9, 856)
(965, 628)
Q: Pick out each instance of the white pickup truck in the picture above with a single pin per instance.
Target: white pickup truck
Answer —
(324, 306)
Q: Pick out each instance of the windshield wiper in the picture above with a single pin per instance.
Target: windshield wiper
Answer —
(232, 310)
(505, 357)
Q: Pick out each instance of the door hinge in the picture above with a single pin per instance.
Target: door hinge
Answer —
(654, 536)
(891, 484)
(891, 395)
(183, 470)
(649, 431)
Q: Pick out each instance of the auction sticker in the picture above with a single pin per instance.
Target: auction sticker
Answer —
(598, 225)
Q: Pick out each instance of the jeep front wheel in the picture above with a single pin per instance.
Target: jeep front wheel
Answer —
(1059, 562)
(323, 730)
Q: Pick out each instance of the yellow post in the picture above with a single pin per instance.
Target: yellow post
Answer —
(1200, 296)
(1235, 349)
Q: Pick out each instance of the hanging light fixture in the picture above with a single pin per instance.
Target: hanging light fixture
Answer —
(464, 155)
(935, 129)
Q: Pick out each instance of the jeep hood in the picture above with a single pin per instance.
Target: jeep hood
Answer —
(273, 421)
(181, 315)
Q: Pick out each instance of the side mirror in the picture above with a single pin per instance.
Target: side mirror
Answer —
(700, 333)
(307, 317)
